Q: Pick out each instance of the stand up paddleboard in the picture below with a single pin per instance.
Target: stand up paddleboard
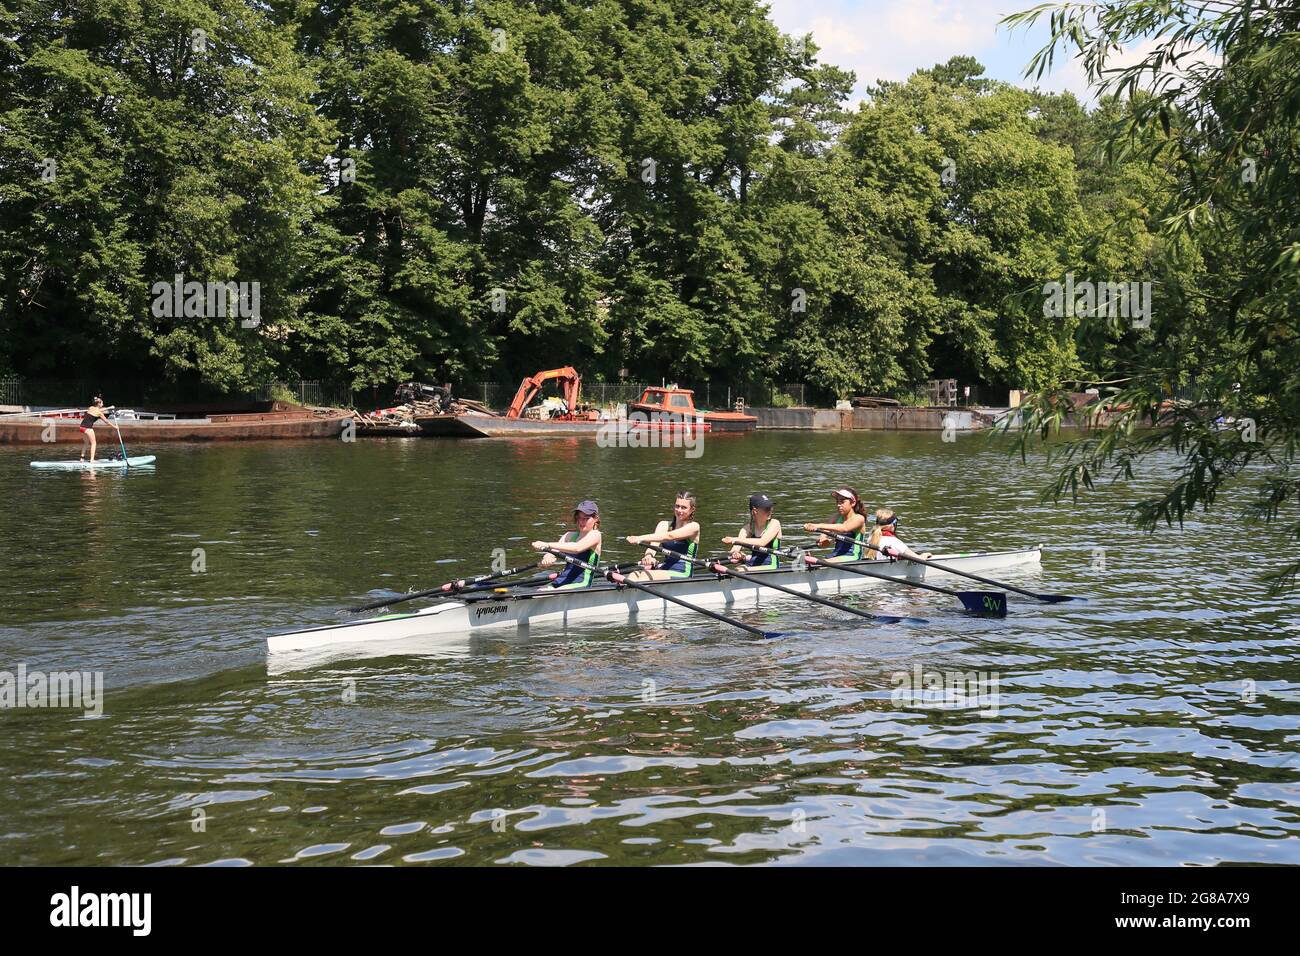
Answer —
(97, 464)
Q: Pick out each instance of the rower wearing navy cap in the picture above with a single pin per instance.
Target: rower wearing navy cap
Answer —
(761, 531)
(584, 544)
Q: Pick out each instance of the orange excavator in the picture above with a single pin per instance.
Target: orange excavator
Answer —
(570, 383)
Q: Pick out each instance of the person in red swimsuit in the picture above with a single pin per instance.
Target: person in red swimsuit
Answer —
(95, 413)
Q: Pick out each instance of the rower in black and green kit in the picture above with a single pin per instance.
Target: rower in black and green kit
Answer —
(584, 544)
(761, 531)
(679, 535)
(852, 524)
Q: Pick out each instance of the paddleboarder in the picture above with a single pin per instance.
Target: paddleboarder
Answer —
(94, 414)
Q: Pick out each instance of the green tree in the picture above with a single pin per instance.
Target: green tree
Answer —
(971, 196)
(139, 141)
(1225, 343)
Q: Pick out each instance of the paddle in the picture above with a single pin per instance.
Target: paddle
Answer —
(126, 462)
(1049, 598)
(982, 602)
(622, 581)
(719, 568)
(471, 584)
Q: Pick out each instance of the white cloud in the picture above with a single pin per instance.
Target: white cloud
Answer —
(891, 39)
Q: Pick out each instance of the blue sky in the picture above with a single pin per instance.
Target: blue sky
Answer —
(889, 39)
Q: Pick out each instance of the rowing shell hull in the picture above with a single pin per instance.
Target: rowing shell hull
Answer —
(454, 619)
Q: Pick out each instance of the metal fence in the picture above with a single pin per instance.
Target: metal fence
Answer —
(305, 393)
(51, 392)
(80, 392)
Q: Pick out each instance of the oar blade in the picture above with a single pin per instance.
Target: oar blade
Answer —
(984, 602)
(1059, 598)
(898, 619)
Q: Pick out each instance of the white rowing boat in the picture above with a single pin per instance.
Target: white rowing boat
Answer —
(519, 609)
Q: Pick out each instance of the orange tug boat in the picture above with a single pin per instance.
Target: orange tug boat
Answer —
(679, 403)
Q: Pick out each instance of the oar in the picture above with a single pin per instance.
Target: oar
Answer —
(719, 568)
(983, 602)
(622, 581)
(471, 584)
(469, 588)
(1049, 598)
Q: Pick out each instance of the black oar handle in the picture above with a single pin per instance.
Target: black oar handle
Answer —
(861, 571)
(470, 584)
(980, 602)
(1050, 598)
(759, 632)
(891, 619)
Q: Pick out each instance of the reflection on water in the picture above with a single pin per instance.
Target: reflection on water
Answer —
(1156, 723)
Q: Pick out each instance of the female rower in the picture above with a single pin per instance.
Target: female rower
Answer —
(885, 537)
(95, 413)
(680, 535)
(583, 544)
(852, 523)
(761, 531)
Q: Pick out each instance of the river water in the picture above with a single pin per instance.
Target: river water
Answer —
(1155, 723)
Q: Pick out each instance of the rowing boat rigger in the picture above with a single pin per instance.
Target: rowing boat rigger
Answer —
(492, 611)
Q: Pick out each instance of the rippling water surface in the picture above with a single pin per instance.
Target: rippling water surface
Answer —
(1156, 723)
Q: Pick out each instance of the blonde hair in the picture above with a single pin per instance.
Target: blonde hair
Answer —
(883, 517)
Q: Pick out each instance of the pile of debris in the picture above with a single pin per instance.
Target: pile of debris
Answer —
(414, 400)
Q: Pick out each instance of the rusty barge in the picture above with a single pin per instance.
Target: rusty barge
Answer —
(237, 422)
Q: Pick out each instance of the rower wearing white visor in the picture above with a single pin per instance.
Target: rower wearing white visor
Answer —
(852, 524)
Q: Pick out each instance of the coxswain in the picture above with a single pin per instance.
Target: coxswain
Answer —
(884, 537)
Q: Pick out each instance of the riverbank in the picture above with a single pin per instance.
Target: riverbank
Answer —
(898, 418)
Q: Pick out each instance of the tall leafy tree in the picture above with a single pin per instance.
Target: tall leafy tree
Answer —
(138, 141)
